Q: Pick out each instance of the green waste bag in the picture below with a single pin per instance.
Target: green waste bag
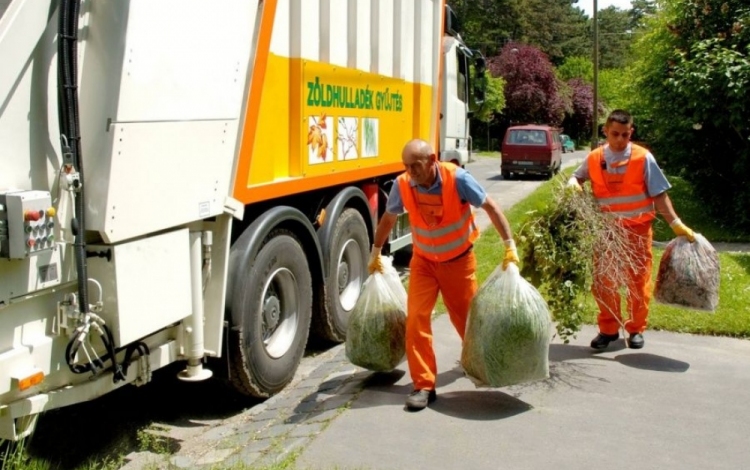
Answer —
(376, 333)
(507, 333)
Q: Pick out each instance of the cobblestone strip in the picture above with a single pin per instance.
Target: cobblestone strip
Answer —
(270, 432)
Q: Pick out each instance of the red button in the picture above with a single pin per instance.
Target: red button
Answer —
(32, 215)
(31, 242)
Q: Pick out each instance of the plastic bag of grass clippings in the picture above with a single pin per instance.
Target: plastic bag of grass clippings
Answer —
(376, 334)
(688, 275)
(508, 332)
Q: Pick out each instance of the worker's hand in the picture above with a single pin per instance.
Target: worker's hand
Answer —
(376, 264)
(682, 230)
(574, 185)
(511, 255)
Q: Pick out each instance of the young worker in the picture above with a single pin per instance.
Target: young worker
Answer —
(627, 183)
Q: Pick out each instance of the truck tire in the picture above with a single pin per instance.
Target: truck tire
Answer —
(274, 296)
(347, 270)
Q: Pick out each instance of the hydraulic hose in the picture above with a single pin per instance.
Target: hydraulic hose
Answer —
(70, 128)
(68, 112)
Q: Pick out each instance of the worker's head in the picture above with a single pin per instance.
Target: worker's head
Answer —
(618, 129)
(419, 161)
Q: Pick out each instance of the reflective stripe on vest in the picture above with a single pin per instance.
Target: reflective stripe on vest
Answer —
(454, 233)
(435, 248)
(622, 195)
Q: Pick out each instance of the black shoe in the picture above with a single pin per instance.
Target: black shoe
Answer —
(419, 399)
(602, 341)
(635, 341)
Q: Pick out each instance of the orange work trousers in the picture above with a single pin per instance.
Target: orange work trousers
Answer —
(608, 278)
(456, 280)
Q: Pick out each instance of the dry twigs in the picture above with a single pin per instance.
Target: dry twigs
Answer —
(568, 244)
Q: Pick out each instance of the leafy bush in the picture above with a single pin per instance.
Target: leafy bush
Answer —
(691, 102)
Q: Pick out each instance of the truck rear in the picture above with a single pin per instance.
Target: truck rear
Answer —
(182, 182)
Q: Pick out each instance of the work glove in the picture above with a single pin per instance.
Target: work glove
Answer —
(511, 255)
(574, 185)
(682, 230)
(376, 263)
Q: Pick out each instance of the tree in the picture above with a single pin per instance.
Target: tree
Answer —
(494, 100)
(488, 24)
(691, 99)
(576, 67)
(578, 123)
(615, 38)
(640, 11)
(555, 27)
(532, 91)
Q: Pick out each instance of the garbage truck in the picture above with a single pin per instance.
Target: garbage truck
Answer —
(182, 181)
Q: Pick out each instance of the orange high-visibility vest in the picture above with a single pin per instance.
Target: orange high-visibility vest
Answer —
(442, 226)
(623, 195)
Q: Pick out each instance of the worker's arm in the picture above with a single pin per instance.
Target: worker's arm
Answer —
(498, 218)
(502, 226)
(579, 176)
(385, 225)
(664, 207)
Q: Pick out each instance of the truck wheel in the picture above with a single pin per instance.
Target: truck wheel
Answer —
(506, 175)
(274, 297)
(347, 270)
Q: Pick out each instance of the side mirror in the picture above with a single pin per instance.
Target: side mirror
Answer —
(480, 65)
(480, 78)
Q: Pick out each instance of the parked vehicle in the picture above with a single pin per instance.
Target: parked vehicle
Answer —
(236, 164)
(531, 149)
(567, 143)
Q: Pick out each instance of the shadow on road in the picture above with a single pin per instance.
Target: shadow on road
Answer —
(637, 360)
(479, 405)
(653, 362)
(567, 352)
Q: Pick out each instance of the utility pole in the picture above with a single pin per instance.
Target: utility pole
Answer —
(595, 104)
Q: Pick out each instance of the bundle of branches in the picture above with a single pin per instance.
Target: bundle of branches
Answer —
(564, 245)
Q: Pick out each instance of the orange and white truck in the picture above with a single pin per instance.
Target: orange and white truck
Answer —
(183, 180)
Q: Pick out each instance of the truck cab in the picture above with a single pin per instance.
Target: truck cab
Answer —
(457, 101)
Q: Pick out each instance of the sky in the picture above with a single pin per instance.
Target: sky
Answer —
(588, 5)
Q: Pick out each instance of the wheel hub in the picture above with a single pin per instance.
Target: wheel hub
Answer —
(343, 277)
(350, 268)
(271, 312)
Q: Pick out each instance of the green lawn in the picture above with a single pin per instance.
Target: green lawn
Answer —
(732, 317)
(487, 153)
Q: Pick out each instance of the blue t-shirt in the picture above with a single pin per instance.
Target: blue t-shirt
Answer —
(468, 188)
(656, 182)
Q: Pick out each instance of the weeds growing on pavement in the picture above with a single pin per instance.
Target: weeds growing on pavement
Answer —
(149, 440)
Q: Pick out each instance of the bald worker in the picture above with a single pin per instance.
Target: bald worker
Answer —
(437, 197)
